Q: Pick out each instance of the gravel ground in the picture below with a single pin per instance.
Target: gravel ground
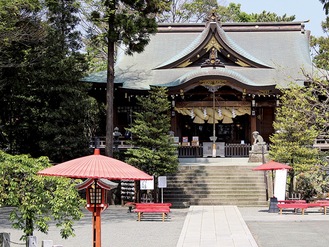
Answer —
(119, 228)
(289, 229)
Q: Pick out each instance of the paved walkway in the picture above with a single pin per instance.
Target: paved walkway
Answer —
(207, 226)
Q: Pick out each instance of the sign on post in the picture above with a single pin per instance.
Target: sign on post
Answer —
(32, 241)
(147, 184)
(162, 182)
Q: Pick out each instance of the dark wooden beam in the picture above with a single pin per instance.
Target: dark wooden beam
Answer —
(210, 103)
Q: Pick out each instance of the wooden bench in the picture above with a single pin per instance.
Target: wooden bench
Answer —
(163, 208)
(304, 206)
(294, 206)
(322, 205)
(291, 201)
(132, 205)
(152, 204)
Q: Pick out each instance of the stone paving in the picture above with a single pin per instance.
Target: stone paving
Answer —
(215, 226)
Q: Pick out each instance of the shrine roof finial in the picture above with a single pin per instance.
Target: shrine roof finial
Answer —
(213, 17)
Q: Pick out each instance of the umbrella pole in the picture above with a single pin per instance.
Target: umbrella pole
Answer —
(96, 221)
(273, 182)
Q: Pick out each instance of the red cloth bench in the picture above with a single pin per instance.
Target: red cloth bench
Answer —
(301, 206)
(323, 205)
(152, 204)
(304, 206)
(291, 201)
(163, 208)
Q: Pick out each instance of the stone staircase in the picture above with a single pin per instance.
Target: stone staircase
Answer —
(216, 182)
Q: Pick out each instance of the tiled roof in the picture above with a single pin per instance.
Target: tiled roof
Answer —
(283, 48)
(98, 77)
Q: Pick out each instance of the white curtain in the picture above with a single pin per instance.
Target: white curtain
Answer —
(201, 115)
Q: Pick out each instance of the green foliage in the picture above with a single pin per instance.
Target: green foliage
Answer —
(43, 107)
(314, 183)
(305, 186)
(198, 10)
(318, 97)
(188, 11)
(294, 135)
(320, 47)
(155, 152)
(301, 118)
(36, 200)
(325, 6)
(233, 13)
(21, 30)
(129, 23)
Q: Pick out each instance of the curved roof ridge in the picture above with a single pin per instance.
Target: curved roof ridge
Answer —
(210, 71)
(200, 39)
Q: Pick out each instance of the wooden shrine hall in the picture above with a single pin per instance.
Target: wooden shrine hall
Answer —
(222, 78)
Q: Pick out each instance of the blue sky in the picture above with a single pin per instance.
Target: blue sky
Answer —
(303, 10)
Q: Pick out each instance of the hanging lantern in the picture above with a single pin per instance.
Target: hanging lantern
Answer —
(95, 195)
(220, 112)
(233, 113)
(192, 114)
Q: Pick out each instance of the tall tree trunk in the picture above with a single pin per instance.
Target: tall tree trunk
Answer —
(291, 183)
(29, 226)
(109, 100)
(110, 81)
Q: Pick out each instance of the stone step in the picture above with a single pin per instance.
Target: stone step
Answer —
(214, 180)
(216, 185)
(224, 195)
(241, 203)
(216, 161)
(212, 191)
(219, 170)
(216, 195)
(205, 186)
(220, 174)
(214, 177)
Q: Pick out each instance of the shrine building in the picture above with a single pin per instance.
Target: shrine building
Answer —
(223, 79)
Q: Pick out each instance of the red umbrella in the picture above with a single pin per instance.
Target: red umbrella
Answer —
(96, 166)
(271, 166)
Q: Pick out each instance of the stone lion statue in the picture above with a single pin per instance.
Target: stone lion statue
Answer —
(258, 139)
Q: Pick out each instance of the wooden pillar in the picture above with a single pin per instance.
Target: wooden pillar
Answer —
(97, 227)
(173, 121)
(253, 125)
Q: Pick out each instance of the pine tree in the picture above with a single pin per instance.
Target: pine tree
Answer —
(154, 153)
(295, 132)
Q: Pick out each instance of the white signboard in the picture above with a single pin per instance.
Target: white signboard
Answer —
(280, 184)
(208, 149)
(147, 184)
(162, 182)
